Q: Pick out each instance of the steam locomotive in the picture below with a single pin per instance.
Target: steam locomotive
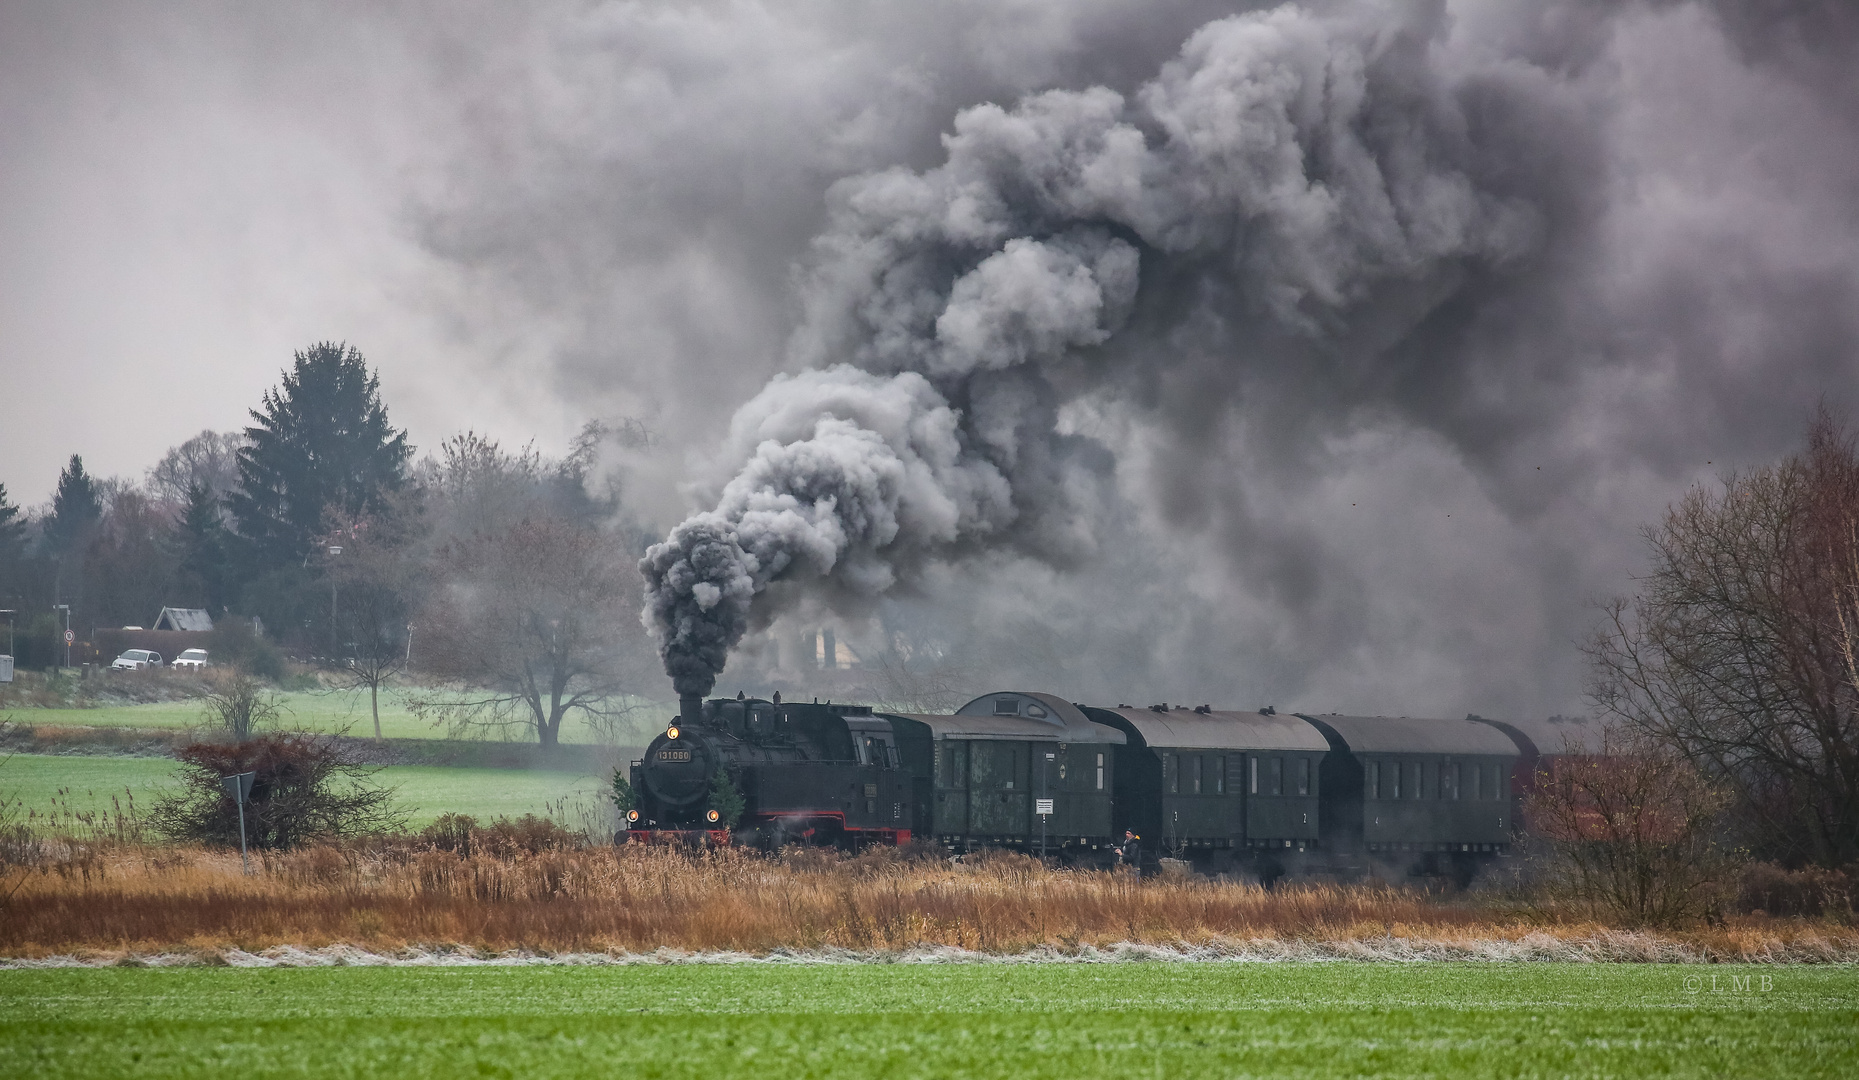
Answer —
(1260, 792)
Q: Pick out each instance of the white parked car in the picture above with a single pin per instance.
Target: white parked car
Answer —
(191, 658)
(136, 660)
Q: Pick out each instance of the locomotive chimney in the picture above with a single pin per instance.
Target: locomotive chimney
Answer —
(690, 708)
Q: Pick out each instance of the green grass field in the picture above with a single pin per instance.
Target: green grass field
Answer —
(985, 1021)
(64, 786)
(335, 711)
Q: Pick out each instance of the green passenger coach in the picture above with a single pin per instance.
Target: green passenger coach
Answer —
(1218, 788)
(1014, 770)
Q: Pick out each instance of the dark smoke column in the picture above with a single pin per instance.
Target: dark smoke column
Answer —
(846, 475)
(1290, 166)
(700, 582)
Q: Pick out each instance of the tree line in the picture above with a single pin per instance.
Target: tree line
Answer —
(506, 576)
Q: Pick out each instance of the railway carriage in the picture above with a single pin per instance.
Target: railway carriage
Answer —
(1218, 787)
(1434, 794)
(982, 773)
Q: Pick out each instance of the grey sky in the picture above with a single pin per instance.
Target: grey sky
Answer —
(530, 216)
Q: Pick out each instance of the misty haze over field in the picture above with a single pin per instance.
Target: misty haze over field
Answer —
(1324, 355)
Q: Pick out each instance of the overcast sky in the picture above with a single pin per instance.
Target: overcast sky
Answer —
(531, 215)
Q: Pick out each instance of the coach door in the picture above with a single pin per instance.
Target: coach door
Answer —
(951, 788)
(997, 792)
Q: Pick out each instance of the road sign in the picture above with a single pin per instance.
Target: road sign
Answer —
(69, 637)
(1042, 806)
(239, 785)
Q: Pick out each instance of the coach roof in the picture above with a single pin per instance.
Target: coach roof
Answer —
(1013, 714)
(1220, 730)
(1552, 737)
(1406, 735)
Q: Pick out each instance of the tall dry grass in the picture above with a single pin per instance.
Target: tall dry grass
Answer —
(518, 892)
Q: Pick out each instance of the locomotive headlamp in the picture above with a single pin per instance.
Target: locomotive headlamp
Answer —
(671, 732)
(632, 815)
(712, 817)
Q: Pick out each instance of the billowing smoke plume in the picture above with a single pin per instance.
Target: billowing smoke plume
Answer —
(1305, 168)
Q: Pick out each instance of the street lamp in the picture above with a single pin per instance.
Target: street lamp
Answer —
(66, 608)
(335, 635)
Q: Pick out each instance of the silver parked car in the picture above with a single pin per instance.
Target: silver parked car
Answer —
(136, 660)
(191, 658)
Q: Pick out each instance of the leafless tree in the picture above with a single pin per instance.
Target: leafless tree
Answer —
(373, 580)
(1631, 832)
(910, 678)
(209, 460)
(1733, 651)
(528, 624)
(238, 705)
(133, 561)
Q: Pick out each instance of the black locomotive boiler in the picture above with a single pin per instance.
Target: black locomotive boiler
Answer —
(804, 772)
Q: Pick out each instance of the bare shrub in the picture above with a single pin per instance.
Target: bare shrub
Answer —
(238, 705)
(308, 788)
(1809, 891)
(1632, 834)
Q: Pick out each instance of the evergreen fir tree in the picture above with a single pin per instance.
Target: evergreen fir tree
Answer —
(321, 441)
(203, 546)
(12, 527)
(76, 509)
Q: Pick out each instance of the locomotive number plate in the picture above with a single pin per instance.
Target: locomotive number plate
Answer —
(674, 755)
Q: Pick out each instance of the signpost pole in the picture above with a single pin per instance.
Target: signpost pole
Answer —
(243, 861)
(239, 786)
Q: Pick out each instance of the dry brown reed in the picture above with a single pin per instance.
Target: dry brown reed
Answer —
(516, 893)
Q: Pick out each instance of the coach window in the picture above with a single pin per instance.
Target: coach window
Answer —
(1197, 774)
(1278, 776)
(1478, 782)
(1252, 766)
(1415, 786)
(955, 771)
(1303, 776)
(1371, 779)
(1171, 769)
(1100, 772)
(1220, 776)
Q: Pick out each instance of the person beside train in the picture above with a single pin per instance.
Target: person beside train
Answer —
(1130, 854)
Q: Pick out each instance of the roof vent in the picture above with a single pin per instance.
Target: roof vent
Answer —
(1268, 711)
(1163, 707)
(1203, 709)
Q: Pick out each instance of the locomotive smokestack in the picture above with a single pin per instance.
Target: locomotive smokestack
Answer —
(690, 708)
